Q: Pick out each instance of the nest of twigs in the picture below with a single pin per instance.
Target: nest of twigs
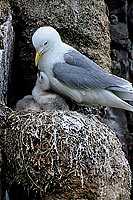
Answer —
(59, 151)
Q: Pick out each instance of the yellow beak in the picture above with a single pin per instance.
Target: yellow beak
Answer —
(38, 55)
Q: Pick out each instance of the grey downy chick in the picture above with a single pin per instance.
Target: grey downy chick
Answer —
(27, 103)
(45, 98)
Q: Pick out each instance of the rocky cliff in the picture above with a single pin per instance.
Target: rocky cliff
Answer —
(85, 26)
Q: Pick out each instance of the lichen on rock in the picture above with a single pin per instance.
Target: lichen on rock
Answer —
(6, 47)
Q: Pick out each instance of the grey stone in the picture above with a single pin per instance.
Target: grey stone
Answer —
(119, 34)
(6, 48)
(122, 65)
(6, 51)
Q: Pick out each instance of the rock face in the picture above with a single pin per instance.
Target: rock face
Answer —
(6, 48)
(85, 142)
(121, 29)
(64, 155)
(82, 24)
(6, 51)
(120, 63)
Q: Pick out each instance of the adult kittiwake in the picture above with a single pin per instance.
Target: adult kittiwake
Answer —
(73, 75)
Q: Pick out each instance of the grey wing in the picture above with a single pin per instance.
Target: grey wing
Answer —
(76, 77)
(85, 74)
(75, 58)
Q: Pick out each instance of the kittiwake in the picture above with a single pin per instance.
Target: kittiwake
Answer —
(47, 99)
(73, 75)
(27, 103)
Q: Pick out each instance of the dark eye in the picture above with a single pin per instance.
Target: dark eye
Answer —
(41, 77)
(45, 43)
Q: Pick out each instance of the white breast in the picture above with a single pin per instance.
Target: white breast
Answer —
(53, 56)
(46, 63)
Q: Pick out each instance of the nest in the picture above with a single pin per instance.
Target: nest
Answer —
(62, 152)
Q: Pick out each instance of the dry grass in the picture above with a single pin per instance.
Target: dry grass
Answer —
(62, 151)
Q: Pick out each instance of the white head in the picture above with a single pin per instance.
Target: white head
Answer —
(44, 39)
(42, 81)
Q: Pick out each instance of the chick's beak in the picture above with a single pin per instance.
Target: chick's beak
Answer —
(38, 55)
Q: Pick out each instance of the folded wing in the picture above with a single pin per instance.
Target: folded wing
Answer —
(80, 72)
